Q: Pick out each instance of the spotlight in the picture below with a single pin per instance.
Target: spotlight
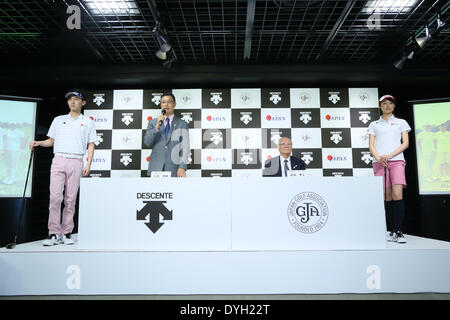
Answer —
(161, 55)
(440, 23)
(423, 40)
(419, 43)
(400, 63)
(163, 44)
(440, 26)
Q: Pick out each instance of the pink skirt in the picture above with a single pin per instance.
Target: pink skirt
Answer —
(395, 172)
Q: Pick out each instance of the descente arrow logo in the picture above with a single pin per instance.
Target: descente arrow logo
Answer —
(154, 209)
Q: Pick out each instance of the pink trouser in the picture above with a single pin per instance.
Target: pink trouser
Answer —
(63, 173)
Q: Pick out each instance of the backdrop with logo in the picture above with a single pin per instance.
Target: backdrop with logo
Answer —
(234, 131)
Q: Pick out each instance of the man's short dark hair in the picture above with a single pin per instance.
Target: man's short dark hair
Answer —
(170, 94)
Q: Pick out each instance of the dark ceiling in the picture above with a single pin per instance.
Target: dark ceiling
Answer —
(221, 32)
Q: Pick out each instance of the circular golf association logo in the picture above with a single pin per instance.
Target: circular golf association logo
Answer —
(246, 97)
(305, 97)
(364, 97)
(187, 98)
(308, 212)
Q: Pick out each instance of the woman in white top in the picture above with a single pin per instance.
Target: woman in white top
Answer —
(388, 138)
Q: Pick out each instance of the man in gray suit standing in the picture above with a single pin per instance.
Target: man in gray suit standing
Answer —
(168, 136)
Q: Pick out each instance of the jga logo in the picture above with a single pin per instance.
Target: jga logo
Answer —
(246, 98)
(305, 98)
(187, 98)
(308, 212)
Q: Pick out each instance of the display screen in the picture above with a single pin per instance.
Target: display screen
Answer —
(17, 127)
(432, 133)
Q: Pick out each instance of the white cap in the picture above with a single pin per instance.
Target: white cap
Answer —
(387, 96)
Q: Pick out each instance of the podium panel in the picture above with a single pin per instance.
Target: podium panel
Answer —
(226, 214)
(155, 214)
(308, 213)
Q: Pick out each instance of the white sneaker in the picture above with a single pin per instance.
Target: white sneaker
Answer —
(67, 239)
(52, 240)
(400, 237)
(390, 236)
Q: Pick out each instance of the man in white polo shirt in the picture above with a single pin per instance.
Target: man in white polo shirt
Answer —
(69, 135)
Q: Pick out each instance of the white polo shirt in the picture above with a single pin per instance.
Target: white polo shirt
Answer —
(72, 135)
(388, 135)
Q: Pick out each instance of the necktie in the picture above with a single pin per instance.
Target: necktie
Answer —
(285, 168)
(167, 128)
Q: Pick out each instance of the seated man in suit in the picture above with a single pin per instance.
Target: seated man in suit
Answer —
(168, 136)
(279, 166)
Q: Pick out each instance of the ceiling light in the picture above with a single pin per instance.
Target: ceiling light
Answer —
(440, 26)
(163, 43)
(440, 23)
(423, 40)
(112, 7)
(400, 63)
(161, 55)
(389, 6)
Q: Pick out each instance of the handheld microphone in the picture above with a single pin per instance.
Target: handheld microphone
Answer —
(163, 112)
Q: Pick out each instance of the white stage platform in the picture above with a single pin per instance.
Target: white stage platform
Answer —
(421, 265)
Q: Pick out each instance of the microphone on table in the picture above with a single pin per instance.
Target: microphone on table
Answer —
(163, 112)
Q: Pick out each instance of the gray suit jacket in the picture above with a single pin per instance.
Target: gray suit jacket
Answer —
(171, 153)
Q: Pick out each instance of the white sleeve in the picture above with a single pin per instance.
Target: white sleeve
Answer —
(405, 126)
(370, 130)
(92, 132)
(52, 131)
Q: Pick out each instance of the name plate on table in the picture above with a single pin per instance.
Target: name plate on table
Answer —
(298, 173)
(161, 174)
